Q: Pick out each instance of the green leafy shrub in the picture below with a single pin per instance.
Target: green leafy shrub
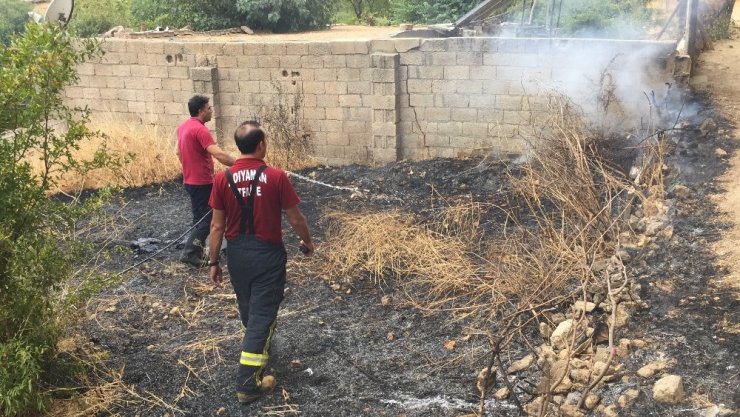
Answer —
(13, 18)
(431, 11)
(609, 19)
(93, 17)
(287, 15)
(216, 14)
(38, 243)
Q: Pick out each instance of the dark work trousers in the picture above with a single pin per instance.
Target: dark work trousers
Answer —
(199, 195)
(257, 272)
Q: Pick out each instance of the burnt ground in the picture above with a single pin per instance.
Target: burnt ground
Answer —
(345, 352)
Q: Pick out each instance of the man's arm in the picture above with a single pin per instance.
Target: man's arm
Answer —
(220, 155)
(218, 225)
(298, 222)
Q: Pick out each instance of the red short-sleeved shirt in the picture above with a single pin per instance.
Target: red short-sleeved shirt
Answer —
(275, 193)
(193, 138)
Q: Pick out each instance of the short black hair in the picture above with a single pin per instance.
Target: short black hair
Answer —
(248, 139)
(196, 103)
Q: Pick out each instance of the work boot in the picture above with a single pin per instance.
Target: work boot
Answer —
(254, 394)
(192, 253)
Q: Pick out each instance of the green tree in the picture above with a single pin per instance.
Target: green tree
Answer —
(216, 14)
(431, 11)
(287, 15)
(38, 247)
(606, 18)
(93, 17)
(13, 18)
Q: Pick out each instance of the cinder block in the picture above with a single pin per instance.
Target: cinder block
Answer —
(113, 45)
(249, 86)
(422, 100)
(74, 92)
(424, 72)
(336, 87)
(232, 49)
(270, 61)
(478, 101)
(227, 61)
(319, 48)
(412, 58)
(433, 45)
(228, 86)
(171, 84)
(442, 86)
(296, 48)
(419, 86)
(510, 73)
(489, 115)
(91, 93)
(259, 49)
(513, 117)
(358, 87)
(383, 60)
(203, 74)
(329, 100)
(120, 71)
(343, 47)
(478, 130)
(352, 126)
(335, 61)
(138, 107)
(483, 73)
(159, 96)
(312, 61)
(334, 113)
(348, 74)
(457, 100)
(438, 140)
(441, 58)
(457, 73)
(469, 86)
(290, 62)
(350, 100)
(464, 115)
(325, 74)
(502, 130)
(379, 75)
(437, 114)
(358, 61)
(406, 44)
(383, 45)
(314, 87)
(135, 45)
(382, 102)
(469, 58)
(86, 68)
(155, 72)
(178, 72)
(173, 48)
(508, 103)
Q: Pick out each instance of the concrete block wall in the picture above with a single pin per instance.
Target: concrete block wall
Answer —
(368, 102)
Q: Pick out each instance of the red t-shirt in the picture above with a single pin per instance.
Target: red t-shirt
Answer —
(193, 138)
(275, 193)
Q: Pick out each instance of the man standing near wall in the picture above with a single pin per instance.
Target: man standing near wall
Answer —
(248, 200)
(196, 150)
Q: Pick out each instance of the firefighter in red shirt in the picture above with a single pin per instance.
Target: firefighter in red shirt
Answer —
(196, 150)
(248, 200)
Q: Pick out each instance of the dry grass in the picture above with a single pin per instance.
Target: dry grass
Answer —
(148, 153)
(391, 245)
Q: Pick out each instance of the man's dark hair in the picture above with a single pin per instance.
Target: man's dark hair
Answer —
(247, 139)
(196, 103)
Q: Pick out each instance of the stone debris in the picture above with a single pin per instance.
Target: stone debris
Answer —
(707, 126)
(669, 390)
(720, 153)
(649, 370)
(502, 394)
(584, 306)
(558, 338)
(521, 364)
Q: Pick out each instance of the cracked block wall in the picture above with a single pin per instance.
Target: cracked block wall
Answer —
(367, 102)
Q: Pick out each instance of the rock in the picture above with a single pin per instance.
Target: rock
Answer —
(584, 306)
(628, 398)
(623, 347)
(545, 330)
(560, 334)
(174, 310)
(610, 411)
(639, 343)
(564, 386)
(649, 370)
(622, 315)
(592, 400)
(720, 153)
(533, 407)
(385, 300)
(580, 376)
(666, 233)
(221, 411)
(390, 336)
(295, 363)
(707, 126)
(521, 364)
(502, 394)
(652, 226)
(269, 382)
(576, 363)
(247, 30)
(681, 191)
(557, 318)
(669, 390)
(569, 410)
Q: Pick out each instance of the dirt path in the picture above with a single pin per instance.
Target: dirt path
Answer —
(718, 75)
